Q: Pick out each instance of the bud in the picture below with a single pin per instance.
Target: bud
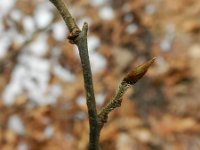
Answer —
(133, 76)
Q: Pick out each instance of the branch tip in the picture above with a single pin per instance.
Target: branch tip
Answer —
(85, 27)
(134, 75)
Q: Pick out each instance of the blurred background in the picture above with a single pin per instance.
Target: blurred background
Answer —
(42, 100)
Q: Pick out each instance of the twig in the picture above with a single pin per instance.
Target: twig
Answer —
(69, 20)
(130, 79)
(114, 103)
(79, 37)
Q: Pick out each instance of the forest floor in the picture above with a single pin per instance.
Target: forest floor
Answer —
(41, 86)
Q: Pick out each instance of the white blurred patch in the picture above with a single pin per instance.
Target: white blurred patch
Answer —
(16, 15)
(59, 31)
(124, 141)
(63, 74)
(34, 64)
(43, 16)
(194, 51)
(28, 24)
(93, 43)
(10, 93)
(49, 131)
(15, 124)
(22, 146)
(6, 5)
(50, 97)
(4, 44)
(1, 25)
(14, 88)
(98, 62)
(6, 39)
(20, 39)
(98, 2)
(106, 13)
(132, 28)
(100, 99)
(58, 70)
(162, 66)
(81, 21)
(39, 47)
(150, 9)
(81, 100)
(32, 76)
(166, 43)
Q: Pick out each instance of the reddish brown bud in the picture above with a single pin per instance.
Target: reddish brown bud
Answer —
(133, 76)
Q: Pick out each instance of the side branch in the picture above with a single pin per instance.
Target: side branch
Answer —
(114, 103)
(130, 79)
(67, 17)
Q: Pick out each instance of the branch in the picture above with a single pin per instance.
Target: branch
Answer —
(69, 20)
(81, 42)
(114, 103)
(67, 17)
(79, 37)
(130, 79)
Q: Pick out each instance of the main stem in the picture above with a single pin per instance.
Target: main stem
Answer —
(79, 37)
(81, 42)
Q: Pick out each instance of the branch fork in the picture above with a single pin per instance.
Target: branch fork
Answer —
(79, 37)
